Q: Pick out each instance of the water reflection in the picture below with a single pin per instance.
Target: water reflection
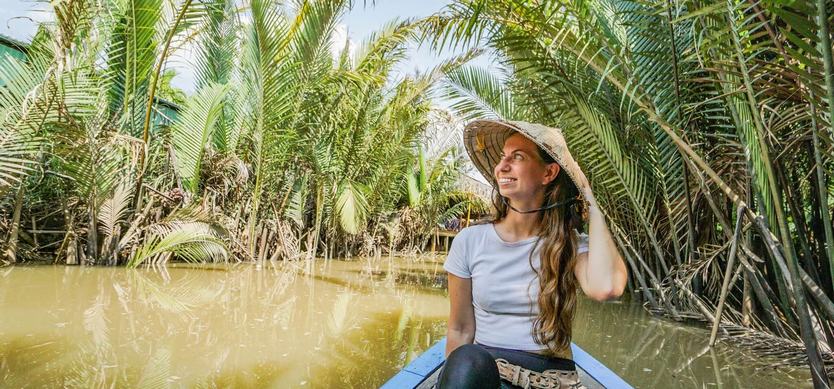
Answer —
(220, 326)
(656, 353)
(333, 324)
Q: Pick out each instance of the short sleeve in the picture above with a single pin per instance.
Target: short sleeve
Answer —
(457, 262)
(582, 242)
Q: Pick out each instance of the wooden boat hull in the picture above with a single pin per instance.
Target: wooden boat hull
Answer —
(422, 371)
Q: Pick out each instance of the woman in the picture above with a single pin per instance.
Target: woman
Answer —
(512, 282)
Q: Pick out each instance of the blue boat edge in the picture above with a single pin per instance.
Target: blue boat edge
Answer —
(597, 370)
(422, 367)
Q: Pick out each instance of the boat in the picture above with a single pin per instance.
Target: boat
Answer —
(423, 371)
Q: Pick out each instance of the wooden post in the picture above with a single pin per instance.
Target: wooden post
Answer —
(746, 302)
(14, 232)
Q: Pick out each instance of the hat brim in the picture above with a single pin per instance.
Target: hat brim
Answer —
(484, 141)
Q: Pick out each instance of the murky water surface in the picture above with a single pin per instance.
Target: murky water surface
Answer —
(331, 324)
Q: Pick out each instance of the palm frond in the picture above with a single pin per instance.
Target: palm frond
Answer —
(190, 241)
(131, 55)
(351, 207)
(192, 132)
(477, 93)
(114, 209)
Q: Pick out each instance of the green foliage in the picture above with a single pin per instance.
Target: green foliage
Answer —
(20, 100)
(168, 91)
(352, 208)
(278, 129)
(477, 93)
(191, 241)
(193, 131)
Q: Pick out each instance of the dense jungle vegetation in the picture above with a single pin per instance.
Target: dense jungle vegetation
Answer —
(705, 128)
(282, 152)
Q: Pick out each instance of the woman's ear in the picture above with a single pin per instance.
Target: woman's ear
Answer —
(551, 172)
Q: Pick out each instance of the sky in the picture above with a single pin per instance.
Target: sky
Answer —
(361, 21)
(19, 19)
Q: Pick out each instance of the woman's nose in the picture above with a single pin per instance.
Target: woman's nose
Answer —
(502, 165)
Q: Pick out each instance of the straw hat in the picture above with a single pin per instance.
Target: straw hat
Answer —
(484, 141)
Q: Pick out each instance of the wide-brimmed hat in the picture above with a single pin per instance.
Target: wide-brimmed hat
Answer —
(484, 141)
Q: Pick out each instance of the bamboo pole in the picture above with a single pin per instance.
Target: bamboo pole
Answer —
(34, 231)
(806, 329)
(819, 296)
(821, 185)
(758, 288)
(824, 44)
(727, 273)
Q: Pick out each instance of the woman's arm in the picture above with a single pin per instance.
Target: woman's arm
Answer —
(461, 327)
(601, 271)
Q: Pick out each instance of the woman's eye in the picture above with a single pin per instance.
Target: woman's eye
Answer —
(517, 157)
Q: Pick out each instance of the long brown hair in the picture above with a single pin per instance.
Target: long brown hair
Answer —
(557, 282)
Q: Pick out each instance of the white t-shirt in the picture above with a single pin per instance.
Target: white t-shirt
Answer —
(504, 286)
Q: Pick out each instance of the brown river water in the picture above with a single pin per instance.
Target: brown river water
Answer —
(322, 324)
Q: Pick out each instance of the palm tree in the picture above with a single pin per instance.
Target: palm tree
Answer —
(79, 101)
(279, 130)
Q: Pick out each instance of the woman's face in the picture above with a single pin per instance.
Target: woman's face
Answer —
(521, 173)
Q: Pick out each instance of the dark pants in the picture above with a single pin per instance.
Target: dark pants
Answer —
(473, 366)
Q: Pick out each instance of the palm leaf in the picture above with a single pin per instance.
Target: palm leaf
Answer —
(477, 93)
(192, 132)
(216, 58)
(413, 188)
(297, 203)
(114, 209)
(191, 241)
(131, 55)
(351, 208)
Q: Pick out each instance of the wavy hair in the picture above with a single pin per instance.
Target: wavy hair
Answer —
(557, 282)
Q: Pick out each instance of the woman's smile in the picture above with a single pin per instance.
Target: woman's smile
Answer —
(519, 168)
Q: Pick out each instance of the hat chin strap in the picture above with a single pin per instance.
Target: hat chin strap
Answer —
(554, 205)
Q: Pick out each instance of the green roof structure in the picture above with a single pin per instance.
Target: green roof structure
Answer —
(13, 48)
